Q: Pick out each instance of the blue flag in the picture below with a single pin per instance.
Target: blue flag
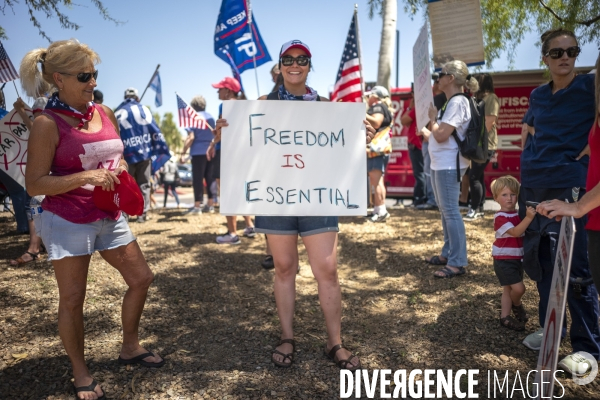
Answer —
(155, 85)
(233, 34)
(140, 135)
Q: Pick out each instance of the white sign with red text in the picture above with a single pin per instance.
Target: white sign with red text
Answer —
(296, 158)
(548, 356)
(13, 145)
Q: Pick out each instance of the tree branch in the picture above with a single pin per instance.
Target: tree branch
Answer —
(551, 11)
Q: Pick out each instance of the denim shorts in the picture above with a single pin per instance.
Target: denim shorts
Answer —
(303, 226)
(67, 239)
(378, 163)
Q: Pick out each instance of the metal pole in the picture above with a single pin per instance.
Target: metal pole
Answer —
(148, 85)
(18, 95)
(249, 7)
(397, 56)
(362, 81)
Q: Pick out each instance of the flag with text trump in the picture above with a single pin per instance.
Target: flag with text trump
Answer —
(7, 70)
(188, 118)
(348, 85)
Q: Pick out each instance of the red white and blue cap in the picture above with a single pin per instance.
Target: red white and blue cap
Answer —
(294, 44)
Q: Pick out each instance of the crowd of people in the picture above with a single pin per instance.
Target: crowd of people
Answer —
(560, 152)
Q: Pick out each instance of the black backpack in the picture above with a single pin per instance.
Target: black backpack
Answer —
(475, 145)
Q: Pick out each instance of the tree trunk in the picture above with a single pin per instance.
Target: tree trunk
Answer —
(389, 10)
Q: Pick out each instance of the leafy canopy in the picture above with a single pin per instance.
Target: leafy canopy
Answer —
(505, 22)
(51, 8)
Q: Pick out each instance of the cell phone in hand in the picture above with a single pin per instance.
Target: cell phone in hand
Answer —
(533, 204)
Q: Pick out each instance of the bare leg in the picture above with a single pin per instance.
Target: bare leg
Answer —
(34, 245)
(322, 254)
(232, 224)
(130, 262)
(71, 277)
(506, 302)
(249, 223)
(375, 179)
(285, 256)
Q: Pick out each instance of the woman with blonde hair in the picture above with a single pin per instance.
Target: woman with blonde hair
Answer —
(75, 146)
(448, 165)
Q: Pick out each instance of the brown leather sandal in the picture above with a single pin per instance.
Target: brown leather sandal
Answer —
(343, 364)
(287, 356)
(512, 323)
(520, 313)
(21, 261)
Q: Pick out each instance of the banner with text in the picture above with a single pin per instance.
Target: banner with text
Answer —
(422, 78)
(293, 158)
(456, 31)
(13, 145)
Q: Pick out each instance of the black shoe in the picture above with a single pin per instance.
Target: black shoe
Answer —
(268, 263)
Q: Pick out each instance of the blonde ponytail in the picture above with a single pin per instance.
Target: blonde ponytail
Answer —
(32, 81)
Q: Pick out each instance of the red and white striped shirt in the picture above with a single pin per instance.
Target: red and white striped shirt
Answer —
(506, 246)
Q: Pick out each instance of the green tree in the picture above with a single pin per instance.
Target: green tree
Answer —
(51, 9)
(169, 129)
(505, 22)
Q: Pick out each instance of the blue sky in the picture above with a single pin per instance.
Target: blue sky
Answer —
(179, 36)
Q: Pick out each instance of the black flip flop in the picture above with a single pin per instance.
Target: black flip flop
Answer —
(140, 360)
(89, 388)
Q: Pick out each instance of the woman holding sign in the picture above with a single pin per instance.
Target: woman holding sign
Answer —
(319, 235)
(445, 160)
(74, 148)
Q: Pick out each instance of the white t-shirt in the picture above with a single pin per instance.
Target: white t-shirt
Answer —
(443, 155)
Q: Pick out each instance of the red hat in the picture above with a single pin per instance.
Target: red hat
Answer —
(228, 83)
(294, 44)
(126, 196)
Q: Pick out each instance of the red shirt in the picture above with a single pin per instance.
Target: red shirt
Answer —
(506, 246)
(76, 152)
(412, 130)
(593, 175)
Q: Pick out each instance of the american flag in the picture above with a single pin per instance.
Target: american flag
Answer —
(7, 71)
(348, 85)
(188, 117)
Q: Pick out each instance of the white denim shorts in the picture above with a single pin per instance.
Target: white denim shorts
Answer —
(67, 239)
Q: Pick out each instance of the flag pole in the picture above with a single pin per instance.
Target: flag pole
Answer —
(151, 79)
(249, 7)
(17, 90)
(362, 83)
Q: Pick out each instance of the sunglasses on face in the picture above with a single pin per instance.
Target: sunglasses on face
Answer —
(556, 53)
(441, 75)
(83, 77)
(288, 61)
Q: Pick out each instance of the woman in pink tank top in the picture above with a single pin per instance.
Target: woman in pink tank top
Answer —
(75, 146)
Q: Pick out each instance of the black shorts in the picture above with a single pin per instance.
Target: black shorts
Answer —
(508, 271)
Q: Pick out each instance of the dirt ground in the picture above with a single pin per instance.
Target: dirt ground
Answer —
(211, 313)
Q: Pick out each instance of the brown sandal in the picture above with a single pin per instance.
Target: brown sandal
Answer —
(20, 261)
(512, 323)
(343, 364)
(520, 313)
(289, 356)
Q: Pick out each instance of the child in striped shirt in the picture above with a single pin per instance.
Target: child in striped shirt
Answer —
(508, 250)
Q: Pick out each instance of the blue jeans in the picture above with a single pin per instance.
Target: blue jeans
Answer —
(427, 171)
(447, 191)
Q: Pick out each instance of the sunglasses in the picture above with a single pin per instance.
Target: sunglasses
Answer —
(556, 53)
(288, 61)
(442, 74)
(83, 77)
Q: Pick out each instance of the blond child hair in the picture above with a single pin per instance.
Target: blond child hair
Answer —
(506, 181)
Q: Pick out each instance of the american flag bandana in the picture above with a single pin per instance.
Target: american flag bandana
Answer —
(58, 106)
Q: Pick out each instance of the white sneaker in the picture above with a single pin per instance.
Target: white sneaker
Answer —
(194, 211)
(534, 340)
(575, 364)
(379, 217)
(473, 215)
(228, 239)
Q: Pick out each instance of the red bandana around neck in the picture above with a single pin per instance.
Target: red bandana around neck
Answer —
(58, 106)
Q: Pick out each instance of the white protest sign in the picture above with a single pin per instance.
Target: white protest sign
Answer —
(423, 94)
(13, 145)
(548, 356)
(456, 31)
(296, 158)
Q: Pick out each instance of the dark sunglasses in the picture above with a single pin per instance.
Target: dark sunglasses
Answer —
(442, 74)
(83, 77)
(556, 53)
(288, 61)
